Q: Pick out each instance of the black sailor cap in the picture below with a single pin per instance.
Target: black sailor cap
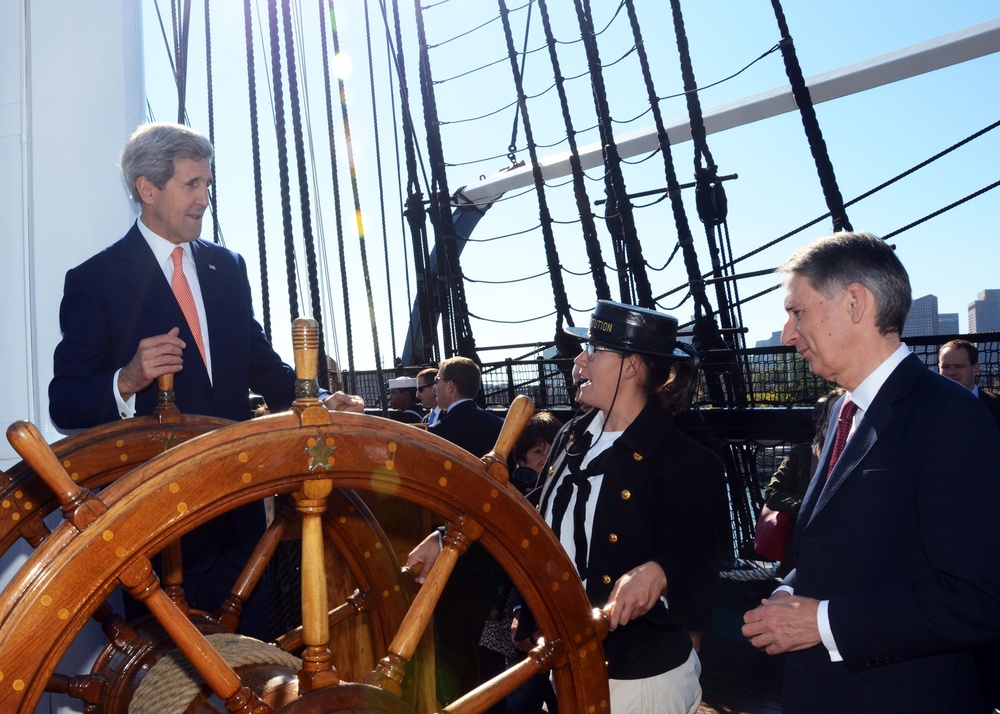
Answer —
(628, 328)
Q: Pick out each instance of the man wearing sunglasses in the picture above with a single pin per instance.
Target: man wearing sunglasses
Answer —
(427, 396)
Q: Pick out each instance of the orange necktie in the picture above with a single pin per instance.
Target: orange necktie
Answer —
(182, 291)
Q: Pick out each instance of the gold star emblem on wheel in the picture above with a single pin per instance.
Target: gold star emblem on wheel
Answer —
(171, 441)
(319, 454)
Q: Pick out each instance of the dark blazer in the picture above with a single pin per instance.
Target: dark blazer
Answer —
(662, 499)
(120, 296)
(477, 585)
(902, 543)
(992, 402)
(474, 429)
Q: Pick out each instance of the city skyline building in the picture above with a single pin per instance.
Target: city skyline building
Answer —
(948, 323)
(922, 319)
(984, 312)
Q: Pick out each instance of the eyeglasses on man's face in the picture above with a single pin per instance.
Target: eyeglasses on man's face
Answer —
(592, 350)
(423, 387)
(441, 379)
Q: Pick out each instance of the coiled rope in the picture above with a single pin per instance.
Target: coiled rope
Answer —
(172, 683)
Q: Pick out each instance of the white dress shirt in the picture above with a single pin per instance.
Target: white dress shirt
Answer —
(162, 248)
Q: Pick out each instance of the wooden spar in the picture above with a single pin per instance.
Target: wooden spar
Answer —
(944, 51)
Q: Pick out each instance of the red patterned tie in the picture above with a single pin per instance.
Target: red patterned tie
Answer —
(844, 421)
(182, 291)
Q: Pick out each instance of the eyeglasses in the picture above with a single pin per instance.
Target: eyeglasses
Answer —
(442, 379)
(426, 386)
(592, 350)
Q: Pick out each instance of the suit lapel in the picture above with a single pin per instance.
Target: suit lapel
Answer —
(145, 277)
(876, 420)
(857, 448)
(213, 297)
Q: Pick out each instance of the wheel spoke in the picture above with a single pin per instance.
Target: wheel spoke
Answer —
(141, 583)
(317, 660)
(356, 605)
(228, 613)
(540, 659)
(390, 670)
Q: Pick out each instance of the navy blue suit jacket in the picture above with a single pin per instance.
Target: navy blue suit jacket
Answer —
(120, 296)
(474, 429)
(902, 542)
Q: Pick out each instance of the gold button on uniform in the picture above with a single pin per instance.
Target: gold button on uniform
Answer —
(606, 579)
(637, 456)
(626, 494)
(612, 537)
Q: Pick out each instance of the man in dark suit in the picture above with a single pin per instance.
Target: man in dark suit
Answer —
(897, 574)
(427, 396)
(477, 585)
(159, 301)
(959, 360)
(462, 421)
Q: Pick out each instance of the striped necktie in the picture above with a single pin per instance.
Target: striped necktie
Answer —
(182, 291)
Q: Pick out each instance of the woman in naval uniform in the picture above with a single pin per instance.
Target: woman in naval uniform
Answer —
(639, 507)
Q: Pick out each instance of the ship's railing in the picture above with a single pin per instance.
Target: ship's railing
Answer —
(763, 377)
(749, 408)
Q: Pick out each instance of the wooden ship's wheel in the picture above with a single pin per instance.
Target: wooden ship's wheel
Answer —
(316, 459)
(93, 459)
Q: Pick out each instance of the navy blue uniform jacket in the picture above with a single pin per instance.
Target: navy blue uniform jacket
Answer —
(662, 499)
(903, 543)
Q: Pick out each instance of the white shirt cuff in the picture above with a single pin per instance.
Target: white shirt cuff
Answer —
(825, 633)
(126, 409)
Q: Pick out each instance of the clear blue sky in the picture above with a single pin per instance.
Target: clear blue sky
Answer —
(870, 138)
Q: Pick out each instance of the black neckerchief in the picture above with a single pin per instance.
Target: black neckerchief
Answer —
(578, 479)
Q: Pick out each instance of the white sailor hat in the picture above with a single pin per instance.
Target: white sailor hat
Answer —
(403, 383)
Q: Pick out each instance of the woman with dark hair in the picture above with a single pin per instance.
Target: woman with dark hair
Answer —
(639, 506)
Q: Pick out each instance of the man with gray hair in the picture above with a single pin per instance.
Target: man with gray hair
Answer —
(897, 573)
(160, 301)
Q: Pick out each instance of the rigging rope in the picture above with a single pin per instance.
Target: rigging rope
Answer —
(303, 181)
(512, 146)
(399, 168)
(457, 329)
(381, 184)
(702, 308)
(213, 197)
(803, 100)
(181, 53)
(618, 209)
(282, 146)
(876, 189)
(710, 196)
(357, 212)
(337, 207)
(548, 239)
(258, 191)
(428, 351)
